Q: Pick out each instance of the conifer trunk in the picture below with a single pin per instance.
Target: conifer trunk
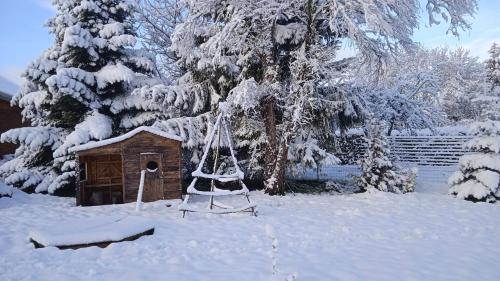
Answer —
(276, 152)
(271, 145)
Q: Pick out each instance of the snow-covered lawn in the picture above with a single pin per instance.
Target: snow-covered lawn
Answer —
(417, 236)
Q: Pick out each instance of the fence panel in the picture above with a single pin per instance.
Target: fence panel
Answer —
(427, 150)
(435, 157)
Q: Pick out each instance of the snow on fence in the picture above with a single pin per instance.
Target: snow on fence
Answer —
(427, 150)
(436, 158)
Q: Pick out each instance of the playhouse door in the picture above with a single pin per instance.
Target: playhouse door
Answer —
(153, 185)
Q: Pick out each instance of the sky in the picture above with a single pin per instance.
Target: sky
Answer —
(23, 36)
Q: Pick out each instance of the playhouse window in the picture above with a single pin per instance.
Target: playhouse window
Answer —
(152, 166)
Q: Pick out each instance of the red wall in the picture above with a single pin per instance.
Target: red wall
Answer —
(10, 117)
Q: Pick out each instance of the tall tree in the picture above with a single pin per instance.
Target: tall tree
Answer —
(424, 89)
(156, 20)
(276, 63)
(77, 91)
(490, 101)
(493, 67)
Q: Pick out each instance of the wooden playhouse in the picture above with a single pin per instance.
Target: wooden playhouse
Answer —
(109, 171)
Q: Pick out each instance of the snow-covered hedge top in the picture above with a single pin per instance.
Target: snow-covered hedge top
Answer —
(123, 137)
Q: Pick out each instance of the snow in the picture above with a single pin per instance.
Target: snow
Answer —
(95, 126)
(90, 230)
(380, 236)
(5, 190)
(480, 161)
(221, 178)
(123, 137)
(111, 74)
(138, 203)
(470, 188)
(245, 208)
(479, 171)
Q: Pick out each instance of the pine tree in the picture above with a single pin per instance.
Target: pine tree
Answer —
(377, 170)
(77, 91)
(490, 102)
(493, 67)
(478, 175)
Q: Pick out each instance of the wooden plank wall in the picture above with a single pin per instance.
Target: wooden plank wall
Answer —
(149, 143)
(10, 118)
(427, 150)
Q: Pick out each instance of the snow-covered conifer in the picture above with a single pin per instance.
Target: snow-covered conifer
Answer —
(493, 67)
(490, 101)
(377, 170)
(78, 90)
(478, 175)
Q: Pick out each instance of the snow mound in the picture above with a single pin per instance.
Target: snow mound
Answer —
(91, 230)
(5, 190)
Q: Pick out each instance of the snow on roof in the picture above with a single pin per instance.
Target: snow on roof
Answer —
(7, 89)
(123, 137)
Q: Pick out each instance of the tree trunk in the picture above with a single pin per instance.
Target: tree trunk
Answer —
(275, 183)
(269, 117)
(276, 154)
(391, 126)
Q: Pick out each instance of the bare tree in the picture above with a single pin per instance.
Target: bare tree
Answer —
(157, 20)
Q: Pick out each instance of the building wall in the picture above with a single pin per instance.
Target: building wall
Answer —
(10, 117)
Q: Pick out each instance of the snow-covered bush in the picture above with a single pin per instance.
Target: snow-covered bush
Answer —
(478, 177)
(5, 190)
(377, 170)
(77, 91)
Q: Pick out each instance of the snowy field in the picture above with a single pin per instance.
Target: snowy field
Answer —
(419, 236)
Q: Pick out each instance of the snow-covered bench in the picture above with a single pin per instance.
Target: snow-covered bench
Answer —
(86, 232)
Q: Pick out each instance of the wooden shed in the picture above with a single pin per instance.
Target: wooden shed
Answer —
(109, 171)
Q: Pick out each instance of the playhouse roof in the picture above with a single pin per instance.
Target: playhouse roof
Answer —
(95, 144)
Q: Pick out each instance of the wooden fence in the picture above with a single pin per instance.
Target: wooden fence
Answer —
(435, 157)
(427, 150)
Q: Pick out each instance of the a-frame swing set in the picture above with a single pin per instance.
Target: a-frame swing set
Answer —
(214, 206)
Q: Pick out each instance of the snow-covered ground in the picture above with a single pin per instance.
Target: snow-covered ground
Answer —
(419, 236)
